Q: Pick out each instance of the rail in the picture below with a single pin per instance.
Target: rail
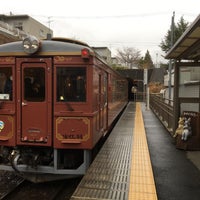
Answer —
(163, 108)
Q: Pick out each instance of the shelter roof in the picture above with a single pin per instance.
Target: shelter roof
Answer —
(188, 45)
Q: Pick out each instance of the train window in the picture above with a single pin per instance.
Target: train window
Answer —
(34, 84)
(6, 83)
(71, 84)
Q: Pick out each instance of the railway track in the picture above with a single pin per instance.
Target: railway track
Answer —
(13, 187)
(8, 183)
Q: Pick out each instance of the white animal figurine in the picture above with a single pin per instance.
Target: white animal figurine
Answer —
(187, 130)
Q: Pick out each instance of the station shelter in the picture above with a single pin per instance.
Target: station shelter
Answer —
(185, 55)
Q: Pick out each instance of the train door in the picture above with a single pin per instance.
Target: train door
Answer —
(103, 104)
(105, 100)
(34, 102)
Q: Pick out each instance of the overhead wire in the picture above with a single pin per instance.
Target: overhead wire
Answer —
(150, 14)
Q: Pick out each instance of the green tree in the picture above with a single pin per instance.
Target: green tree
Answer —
(146, 62)
(179, 29)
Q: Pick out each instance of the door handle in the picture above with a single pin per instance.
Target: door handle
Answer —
(24, 104)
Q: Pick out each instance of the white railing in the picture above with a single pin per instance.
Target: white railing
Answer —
(6, 28)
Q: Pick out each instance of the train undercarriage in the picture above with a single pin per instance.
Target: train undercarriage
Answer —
(45, 164)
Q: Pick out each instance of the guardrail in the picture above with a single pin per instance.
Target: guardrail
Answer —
(163, 108)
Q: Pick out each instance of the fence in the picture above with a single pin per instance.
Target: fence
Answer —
(163, 108)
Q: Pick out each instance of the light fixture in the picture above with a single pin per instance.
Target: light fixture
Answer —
(31, 44)
(85, 53)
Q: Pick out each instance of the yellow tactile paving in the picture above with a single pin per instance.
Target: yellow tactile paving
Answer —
(142, 185)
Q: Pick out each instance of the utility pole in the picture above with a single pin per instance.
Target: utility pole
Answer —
(49, 35)
(146, 87)
(170, 61)
(156, 60)
(49, 22)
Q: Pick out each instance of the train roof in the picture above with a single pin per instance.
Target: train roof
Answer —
(61, 39)
(55, 46)
(51, 47)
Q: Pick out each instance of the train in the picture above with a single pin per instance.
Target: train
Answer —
(58, 99)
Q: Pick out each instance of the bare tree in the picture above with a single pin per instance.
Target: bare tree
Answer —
(130, 57)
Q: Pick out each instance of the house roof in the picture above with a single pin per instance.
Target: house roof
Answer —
(4, 17)
(188, 45)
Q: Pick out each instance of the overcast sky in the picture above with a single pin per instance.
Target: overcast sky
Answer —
(141, 24)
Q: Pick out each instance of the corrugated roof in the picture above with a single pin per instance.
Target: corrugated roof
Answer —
(188, 45)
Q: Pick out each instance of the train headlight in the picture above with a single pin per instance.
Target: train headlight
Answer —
(31, 44)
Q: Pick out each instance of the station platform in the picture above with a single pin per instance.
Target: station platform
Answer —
(139, 161)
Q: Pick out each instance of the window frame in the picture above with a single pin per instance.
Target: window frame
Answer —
(12, 80)
(56, 98)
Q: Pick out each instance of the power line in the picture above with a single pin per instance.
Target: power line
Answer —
(116, 43)
(141, 15)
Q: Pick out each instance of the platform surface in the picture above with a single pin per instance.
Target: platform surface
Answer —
(176, 174)
(122, 169)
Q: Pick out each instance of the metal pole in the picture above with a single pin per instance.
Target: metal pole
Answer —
(170, 61)
(145, 82)
(147, 97)
(170, 78)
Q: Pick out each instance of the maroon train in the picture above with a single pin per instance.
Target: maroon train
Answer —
(58, 98)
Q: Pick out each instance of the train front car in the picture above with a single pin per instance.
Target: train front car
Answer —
(57, 99)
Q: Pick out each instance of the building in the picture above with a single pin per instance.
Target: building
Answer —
(16, 27)
(104, 52)
(186, 55)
